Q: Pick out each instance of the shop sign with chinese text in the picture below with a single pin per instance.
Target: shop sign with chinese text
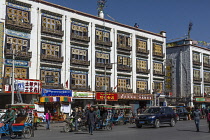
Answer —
(25, 86)
(109, 96)
(56, 92)
(83, 95)
(134, 96)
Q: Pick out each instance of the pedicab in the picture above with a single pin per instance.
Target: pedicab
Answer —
(127, 116)
(105, 120)
(118, 113)
(23, 126)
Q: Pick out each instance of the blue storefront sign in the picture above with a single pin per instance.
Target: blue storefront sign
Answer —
(56, 92)
(18, 63)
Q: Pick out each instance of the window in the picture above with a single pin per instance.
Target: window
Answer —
(79, 79)
(158, 86)
(197, 90)
(196, 73)
(157, 48)
(158, 67)
(80, 30)
(207, 89)
(52, 23)
(196, 56)
(50, 77)
(18, 15)
(206, 59)
(51, 49)
(124, 40)
(79, 54)
(141, 85)
(123, 60)
(19, 72)
(100, 82)
(141, 64)
(18, 44)
(102, 58)
(206, 76)
(102, 35)
(141, 44)
(123, 83)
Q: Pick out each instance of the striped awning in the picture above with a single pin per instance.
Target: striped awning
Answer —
(55, 99)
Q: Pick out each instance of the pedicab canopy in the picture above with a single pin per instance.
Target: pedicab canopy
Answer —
(121, 107)
(103, 106)
(21, 106)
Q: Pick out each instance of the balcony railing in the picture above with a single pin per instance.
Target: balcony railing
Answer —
(197, 63)
(80, 87)
(197, 94)
(146, 71)
(20, 25)
(81, 38)
(206, 65)
(124, 47)
(144, 51)
(157, 54)
(143, 91)
(18, 54)
(109, 89)
(198, 79)
(125, 90)
(52, 86)
(104, 43)
(102, 65)
(52, 31)
(80, 62)
(159, 73)
(124, 68)
(52, 58)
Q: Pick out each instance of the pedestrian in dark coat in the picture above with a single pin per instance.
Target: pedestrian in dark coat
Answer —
(197, 115)
(208, 118)
(91, 119)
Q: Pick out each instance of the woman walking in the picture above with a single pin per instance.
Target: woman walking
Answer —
(48, 118)
(208, 118)
(91, 119)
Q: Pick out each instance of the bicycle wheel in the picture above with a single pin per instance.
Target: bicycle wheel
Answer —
(27, 132)
(66, 128)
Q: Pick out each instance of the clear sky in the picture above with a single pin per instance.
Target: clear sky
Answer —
(172, 16)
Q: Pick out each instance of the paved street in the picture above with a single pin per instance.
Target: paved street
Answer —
(184, 130)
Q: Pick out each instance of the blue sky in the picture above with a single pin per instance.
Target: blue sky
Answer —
(172, 16)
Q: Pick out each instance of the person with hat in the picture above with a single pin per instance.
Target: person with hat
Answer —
(197, 115)
(9, 117)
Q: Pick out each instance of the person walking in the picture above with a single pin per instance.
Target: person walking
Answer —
(197, 115)
(91, 119)
(48, 119)
(208, 118)
(35, 119)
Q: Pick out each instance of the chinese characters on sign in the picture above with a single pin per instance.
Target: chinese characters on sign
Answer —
(25, 86)
(109, 96)
(133, 96)
(56, 92)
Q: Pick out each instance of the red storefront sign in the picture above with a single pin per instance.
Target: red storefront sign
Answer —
(109, 96)
(134, 96)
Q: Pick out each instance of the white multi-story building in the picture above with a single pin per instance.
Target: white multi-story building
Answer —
(61, 46)
(190, 72)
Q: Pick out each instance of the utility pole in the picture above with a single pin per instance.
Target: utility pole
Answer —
(105, 83)
(13, 76)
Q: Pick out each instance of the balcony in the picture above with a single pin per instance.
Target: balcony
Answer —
(52, 86)
(206, 65)
(102, 65)
(198, 63)
(52, 31)
(52, 58)
(109, 89)
(124, 47)
(142, 51)
(124, 68)
(157, 54)
(80, 87)
(18, 25)
(197, 79)
(80, 38)
(18, 54)
(158, 73)
(80, 62)
(146, 71)
(103, 43)
(124, 90)
(143, 91)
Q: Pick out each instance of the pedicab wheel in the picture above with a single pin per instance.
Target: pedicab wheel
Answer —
(27, 132)
(109, 127)
(13, 136)
(66, 128)
(157, 123)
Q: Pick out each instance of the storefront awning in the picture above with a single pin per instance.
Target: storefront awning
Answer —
(55, 99)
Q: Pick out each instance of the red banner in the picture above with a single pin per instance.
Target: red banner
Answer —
(109, 96)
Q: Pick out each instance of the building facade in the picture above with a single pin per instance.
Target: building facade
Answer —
(69, 49)
(189, 69)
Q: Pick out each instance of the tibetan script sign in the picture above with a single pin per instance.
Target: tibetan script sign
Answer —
(109, 96)
(134, 96)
